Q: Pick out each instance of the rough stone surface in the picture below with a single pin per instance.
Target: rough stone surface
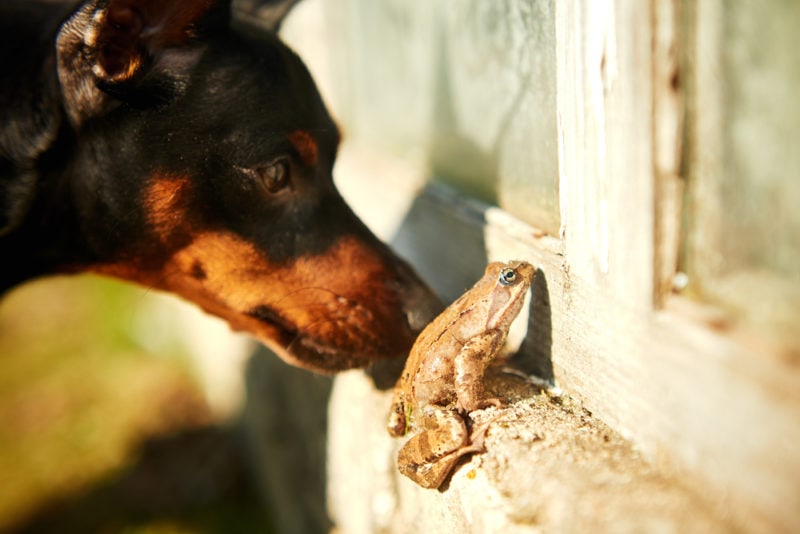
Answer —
(550, 466)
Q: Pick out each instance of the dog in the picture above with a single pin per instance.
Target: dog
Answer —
(167, 143)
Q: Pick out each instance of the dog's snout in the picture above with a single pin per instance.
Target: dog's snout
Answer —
(420, 303)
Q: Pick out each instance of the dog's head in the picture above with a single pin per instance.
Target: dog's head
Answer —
(203, 167)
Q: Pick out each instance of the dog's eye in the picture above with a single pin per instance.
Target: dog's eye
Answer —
(275, 175)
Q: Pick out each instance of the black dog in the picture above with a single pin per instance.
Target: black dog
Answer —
(166, 143)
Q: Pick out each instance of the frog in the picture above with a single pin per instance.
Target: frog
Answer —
(443, 378)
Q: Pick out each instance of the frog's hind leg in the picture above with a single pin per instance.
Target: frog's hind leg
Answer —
(428, 457)
(432, 475)
(443, 431)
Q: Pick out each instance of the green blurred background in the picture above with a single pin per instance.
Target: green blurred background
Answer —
(104, 426)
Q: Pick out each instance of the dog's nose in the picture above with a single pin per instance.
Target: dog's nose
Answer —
(421, 307)
(420, 303)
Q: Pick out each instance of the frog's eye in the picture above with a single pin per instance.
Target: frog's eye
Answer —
(508, 276)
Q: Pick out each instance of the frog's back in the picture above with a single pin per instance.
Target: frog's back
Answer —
(428, 373)
(433, 381)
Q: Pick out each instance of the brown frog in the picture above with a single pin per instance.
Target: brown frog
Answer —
(443, 377)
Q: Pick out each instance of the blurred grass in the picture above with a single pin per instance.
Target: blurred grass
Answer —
(89, 421)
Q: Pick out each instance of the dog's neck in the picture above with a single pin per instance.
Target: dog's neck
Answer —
(46, 242)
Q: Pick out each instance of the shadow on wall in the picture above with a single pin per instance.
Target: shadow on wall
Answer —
(535, 355)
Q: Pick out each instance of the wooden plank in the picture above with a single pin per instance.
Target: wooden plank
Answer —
(605, 127)
(704, 127)
(668, 101)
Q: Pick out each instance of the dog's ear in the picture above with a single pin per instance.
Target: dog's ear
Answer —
(138, 51)
(270, 13)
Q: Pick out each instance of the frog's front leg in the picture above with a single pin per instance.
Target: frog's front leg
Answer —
(470, 365)
(428, 457)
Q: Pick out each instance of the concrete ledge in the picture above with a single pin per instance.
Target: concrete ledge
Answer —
(550, 466)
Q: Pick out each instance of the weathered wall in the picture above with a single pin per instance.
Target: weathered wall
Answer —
(467, 87)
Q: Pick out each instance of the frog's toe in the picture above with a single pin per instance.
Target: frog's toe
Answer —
(477, 436)
(493, 402)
